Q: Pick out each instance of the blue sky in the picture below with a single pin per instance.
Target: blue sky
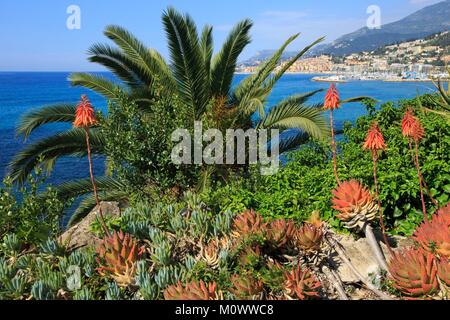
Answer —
(34, 36)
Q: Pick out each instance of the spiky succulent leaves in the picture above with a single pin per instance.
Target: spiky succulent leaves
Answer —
(279, 233)
(413, 272)
(192, 291)
(301, 284)
(434, 236)
(250, 256)
(308, 237)
(246, 287)
(248, 223)
(118, 255)
(443, 270)
(210, 253)
(354, 203)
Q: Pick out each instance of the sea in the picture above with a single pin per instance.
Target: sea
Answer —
(21, 92)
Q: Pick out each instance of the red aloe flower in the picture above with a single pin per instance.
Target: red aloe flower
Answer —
(331, 103)
(331, 98)
(84, 115)
(84, 118)
(413, 130)
(411, 127)
(375, 142)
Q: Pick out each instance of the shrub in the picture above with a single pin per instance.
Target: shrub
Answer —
(305, 182)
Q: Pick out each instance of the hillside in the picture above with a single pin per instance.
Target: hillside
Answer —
(429, 20)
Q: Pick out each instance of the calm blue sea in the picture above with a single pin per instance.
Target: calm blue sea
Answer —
(21, 92)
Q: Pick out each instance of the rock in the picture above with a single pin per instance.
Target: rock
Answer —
(361, 256)
(80, 235)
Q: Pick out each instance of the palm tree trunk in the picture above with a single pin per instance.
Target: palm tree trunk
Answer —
(333, 147)
(94, 186)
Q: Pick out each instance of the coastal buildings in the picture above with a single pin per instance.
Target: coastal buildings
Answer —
(418, 59)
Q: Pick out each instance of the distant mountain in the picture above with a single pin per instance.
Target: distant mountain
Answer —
(432, 19)
(264, 55)
(429, 20)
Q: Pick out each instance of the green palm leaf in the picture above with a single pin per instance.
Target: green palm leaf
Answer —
(99, 84)
(116, 62)
(207, 48)
(48, 150)
(146, 63)
(186, 57)
(50, 114)
(224, 63)
(89, 203)
(291, 115)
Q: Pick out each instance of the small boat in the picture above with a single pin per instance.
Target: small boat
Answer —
(329, 79)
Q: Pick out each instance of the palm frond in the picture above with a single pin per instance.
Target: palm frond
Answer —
(355, 99)
(97, 83)
(146, 63)
(77, 188)
(207, 48)
(293, 140)
(49, 114)
(89, 203)
(291, 61)
(48, 150)
(115, 61)
(287, 115)
(224, 63)
(186, 57)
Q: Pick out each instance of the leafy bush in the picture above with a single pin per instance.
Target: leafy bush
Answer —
(138, 144)
(32, 217)
(304, 184)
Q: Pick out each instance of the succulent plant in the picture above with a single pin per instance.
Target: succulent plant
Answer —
(301, 284)
(193, 291)
(434, 235)
(169, 275)
(210, 253)
(162, 254)
(118, 255)
(246, 287)
(16, 286)
(279, 232)
(113, 292)
(250, 255)
(309, 237)
(354, 203)
(84, 294)
(248, 223)
(40, 291)
(52, 247)
(11, 244)
(443, 271)
(413, 272)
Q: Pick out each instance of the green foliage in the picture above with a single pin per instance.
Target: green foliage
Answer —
(304, 184)
(32, 217)
(138, 145)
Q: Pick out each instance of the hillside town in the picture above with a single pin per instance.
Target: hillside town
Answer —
(417, 60)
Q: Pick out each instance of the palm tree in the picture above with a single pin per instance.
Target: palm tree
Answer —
(194, 75)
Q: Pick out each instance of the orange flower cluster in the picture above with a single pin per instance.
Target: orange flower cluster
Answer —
(84, 115)
(374, 140)
(331, 98)
(411, 127)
